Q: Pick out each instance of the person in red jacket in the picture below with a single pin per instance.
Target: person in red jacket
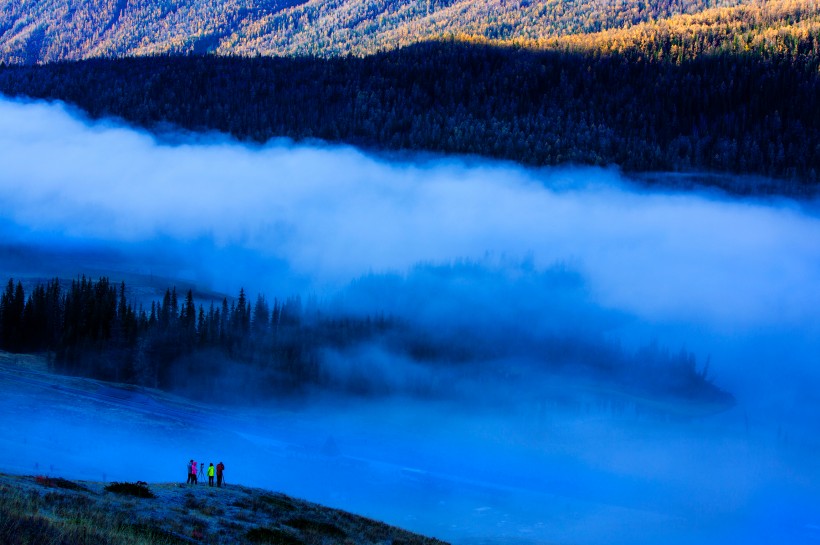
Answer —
(220, 467)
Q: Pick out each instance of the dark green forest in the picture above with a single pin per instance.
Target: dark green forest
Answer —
(687, 86)
(90, 329)
(284, 349)
(730, 112)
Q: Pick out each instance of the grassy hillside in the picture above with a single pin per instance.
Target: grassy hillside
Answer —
(55, 510)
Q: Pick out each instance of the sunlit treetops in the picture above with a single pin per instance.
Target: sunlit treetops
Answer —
(782, 28)
(779, 28)
(360, 28)
(49, 30)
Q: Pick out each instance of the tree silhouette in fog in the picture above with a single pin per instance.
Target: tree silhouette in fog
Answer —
(92, 329)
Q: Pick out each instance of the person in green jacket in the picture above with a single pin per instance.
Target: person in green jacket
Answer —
(211, 474)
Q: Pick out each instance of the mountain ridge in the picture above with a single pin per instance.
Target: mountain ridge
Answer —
(51, 30)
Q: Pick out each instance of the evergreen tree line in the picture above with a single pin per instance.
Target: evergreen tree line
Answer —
(91, 329)
(735, 112)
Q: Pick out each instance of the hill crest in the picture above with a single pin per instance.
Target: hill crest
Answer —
(40, 509)
(50, 30)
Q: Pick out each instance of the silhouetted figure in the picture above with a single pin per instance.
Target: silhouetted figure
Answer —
(220, 467)
(190, 472)
(211, 474)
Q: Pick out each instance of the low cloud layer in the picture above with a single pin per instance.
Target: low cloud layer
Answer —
(333, 214)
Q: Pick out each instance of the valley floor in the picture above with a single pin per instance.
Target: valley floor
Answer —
(468, 477)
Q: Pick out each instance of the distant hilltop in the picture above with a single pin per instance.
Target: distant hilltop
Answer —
(38, 31)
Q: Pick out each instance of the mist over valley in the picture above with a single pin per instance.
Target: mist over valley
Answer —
(518, 272)
(497, 354)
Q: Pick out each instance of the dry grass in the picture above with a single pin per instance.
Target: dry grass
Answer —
(53, 511)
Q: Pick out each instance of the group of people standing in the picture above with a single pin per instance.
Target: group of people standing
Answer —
(210, 470)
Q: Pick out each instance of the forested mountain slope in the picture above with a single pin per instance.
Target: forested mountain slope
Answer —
(48, 30)
(680, 86)
(723, 113)
(788, 29)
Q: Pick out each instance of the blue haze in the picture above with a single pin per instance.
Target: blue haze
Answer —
(474, 244)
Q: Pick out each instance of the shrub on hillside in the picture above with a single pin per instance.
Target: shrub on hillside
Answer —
(138, 489)
(272, 536)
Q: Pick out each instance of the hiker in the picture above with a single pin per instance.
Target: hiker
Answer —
(211, 474)
(190, 468)
(220, 467)
(202, 471)
(193, 472)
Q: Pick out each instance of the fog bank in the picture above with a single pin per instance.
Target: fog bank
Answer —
(334, 213)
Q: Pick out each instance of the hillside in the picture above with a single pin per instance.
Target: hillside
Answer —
(663, 86)
(55, 510)
(785, 29)
(724, 113)
(50, 30)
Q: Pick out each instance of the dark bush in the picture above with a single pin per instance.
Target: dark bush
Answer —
(279, 503)
(58, 482)
(157, 535)
(191, 502)
(273, 536)
(316, 527)
(138, 489)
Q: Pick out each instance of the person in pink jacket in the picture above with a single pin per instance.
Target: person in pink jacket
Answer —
(193, 472)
